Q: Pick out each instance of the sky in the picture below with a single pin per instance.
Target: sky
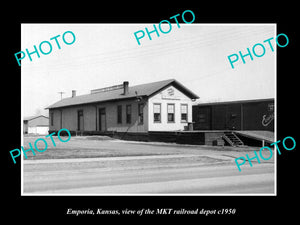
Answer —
(108, 54)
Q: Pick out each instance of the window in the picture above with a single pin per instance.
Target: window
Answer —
(157, 112)
(119, 114)
(128, 113)
(141, 113)
(171, 113)
(184, 112)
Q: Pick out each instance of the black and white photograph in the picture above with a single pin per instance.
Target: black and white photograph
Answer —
(176, 114)
(150, 111)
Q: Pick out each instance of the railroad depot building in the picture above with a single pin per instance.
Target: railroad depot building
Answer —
(159, 106)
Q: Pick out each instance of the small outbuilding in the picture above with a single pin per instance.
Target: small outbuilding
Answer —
(36, 125)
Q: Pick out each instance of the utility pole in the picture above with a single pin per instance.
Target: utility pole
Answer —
(61, 93)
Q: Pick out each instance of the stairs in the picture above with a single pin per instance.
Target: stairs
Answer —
(232, 139)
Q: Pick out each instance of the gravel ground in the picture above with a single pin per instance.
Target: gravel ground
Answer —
(103, 165)
(102, 146)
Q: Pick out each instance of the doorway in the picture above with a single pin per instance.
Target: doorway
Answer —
(102, 119)
(80, 120)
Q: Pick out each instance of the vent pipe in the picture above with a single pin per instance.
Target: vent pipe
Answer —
(73, 93)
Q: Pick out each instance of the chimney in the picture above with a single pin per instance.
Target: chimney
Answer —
(73, 93)
(125, 87)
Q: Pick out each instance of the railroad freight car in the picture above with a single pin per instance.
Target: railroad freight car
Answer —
(255, 114)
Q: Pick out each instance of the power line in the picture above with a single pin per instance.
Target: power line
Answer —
(207, 39)
(137, 55)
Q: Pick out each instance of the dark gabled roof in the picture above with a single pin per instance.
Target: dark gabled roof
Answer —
(141, 90)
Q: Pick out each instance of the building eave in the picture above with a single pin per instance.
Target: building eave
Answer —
(96, 102)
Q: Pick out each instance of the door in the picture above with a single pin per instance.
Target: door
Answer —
(79, 120)
(102, 119)
(203, 118)
(233, 117)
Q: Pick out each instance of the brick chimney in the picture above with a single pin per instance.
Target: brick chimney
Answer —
(125, 88)
(73, 93)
